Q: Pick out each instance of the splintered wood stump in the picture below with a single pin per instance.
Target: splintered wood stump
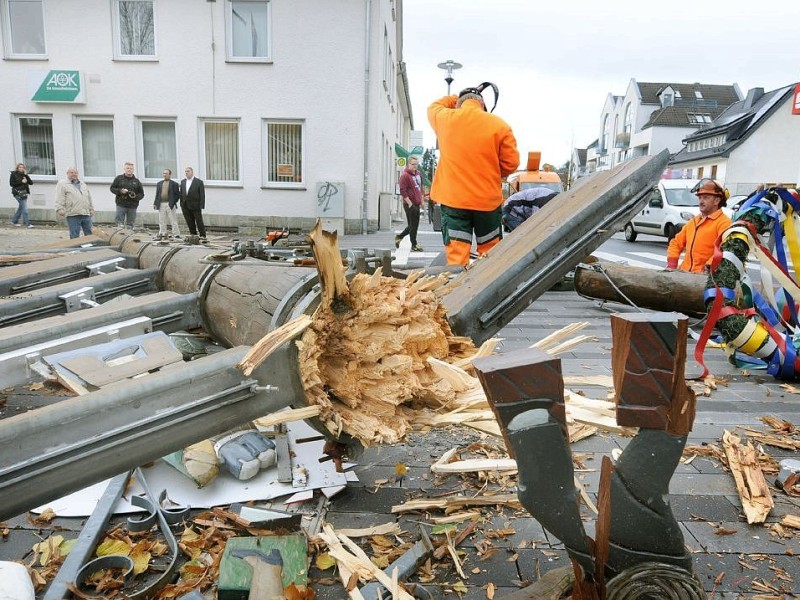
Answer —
(364, 358)
(648, 361)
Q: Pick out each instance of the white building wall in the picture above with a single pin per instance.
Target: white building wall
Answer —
(670, 138)
(318, 75)
(770, 155)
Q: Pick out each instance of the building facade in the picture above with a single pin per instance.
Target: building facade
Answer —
(754, 141)
(289, 111)
(653, 116)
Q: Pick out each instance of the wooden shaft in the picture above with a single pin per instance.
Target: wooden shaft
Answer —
(267, 583)
(668, 291)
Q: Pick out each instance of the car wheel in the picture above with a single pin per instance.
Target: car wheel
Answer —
(670, 231)
(630, 232)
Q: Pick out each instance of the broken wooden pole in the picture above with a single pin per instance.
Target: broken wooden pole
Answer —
(667, 291)
(492, 291)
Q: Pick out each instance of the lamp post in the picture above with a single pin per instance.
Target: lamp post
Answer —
(449, 66)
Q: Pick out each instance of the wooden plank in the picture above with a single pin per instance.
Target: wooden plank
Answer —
(750, 483)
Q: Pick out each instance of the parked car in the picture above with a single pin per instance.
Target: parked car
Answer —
(735, 202)
(670, 205)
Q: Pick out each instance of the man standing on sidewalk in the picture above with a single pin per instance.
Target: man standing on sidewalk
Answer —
(193, 201)
(74, 201)
(411, 194)
(127, 190)
(166, 202)
(477, 149)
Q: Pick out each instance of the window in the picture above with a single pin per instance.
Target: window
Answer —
(604, 136)
(97, 147)
(284, 153)
(248, 23)
(714, 172)
(220, 141)
(24, 31)
(134, 29)
(158, 147)
(388, 65)
(698, 94)
(36, 142)
(700, 172)
(626, 123)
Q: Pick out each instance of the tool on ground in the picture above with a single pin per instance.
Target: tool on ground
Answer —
(235, 575)
(267, 581)
(406, 565)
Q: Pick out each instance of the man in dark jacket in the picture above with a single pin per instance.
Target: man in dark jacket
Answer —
(168, 193)
(127, 190)
(193, 201)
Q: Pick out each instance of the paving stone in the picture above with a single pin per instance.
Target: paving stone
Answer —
(748, 539)
(738, 578)
(711, 508)
(381, 500)
(379, 476)
(534, 563)
(702, 483)
(528, 532)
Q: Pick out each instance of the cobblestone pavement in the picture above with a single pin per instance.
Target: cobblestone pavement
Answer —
(732, 558)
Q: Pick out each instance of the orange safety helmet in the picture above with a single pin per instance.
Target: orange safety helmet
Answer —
(709, 186)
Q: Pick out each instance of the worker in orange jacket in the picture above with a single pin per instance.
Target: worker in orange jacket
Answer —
(700, 234)
(477, 150)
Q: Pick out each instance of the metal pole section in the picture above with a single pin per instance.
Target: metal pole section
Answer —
(27, 277)
(169, 312)
(66, 446)
(530, 261)
(46, 301)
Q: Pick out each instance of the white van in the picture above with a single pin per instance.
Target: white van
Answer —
(669, 206)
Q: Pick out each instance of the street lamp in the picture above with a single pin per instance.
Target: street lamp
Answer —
(449, 66)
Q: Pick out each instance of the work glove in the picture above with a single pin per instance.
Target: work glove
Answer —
(672, 263)
(245, 452)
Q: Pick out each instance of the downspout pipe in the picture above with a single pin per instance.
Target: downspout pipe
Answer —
(367, 42)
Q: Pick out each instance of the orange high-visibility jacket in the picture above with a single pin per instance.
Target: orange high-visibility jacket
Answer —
(477, 149)
(698, 237)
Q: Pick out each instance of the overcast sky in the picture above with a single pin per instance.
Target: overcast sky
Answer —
(556, 62)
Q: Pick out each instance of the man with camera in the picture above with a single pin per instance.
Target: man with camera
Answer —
(478, 150)
(128, 190)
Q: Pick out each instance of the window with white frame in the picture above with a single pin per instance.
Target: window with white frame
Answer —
(36, 144)
(158, 148)
(248, 30)
(24, 28)
(220, 145)
(628, 119)
(283, 141)
(388, 65)
(97, 147)
(134, 29)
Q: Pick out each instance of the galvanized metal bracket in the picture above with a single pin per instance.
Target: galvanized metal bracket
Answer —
(79, 299)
